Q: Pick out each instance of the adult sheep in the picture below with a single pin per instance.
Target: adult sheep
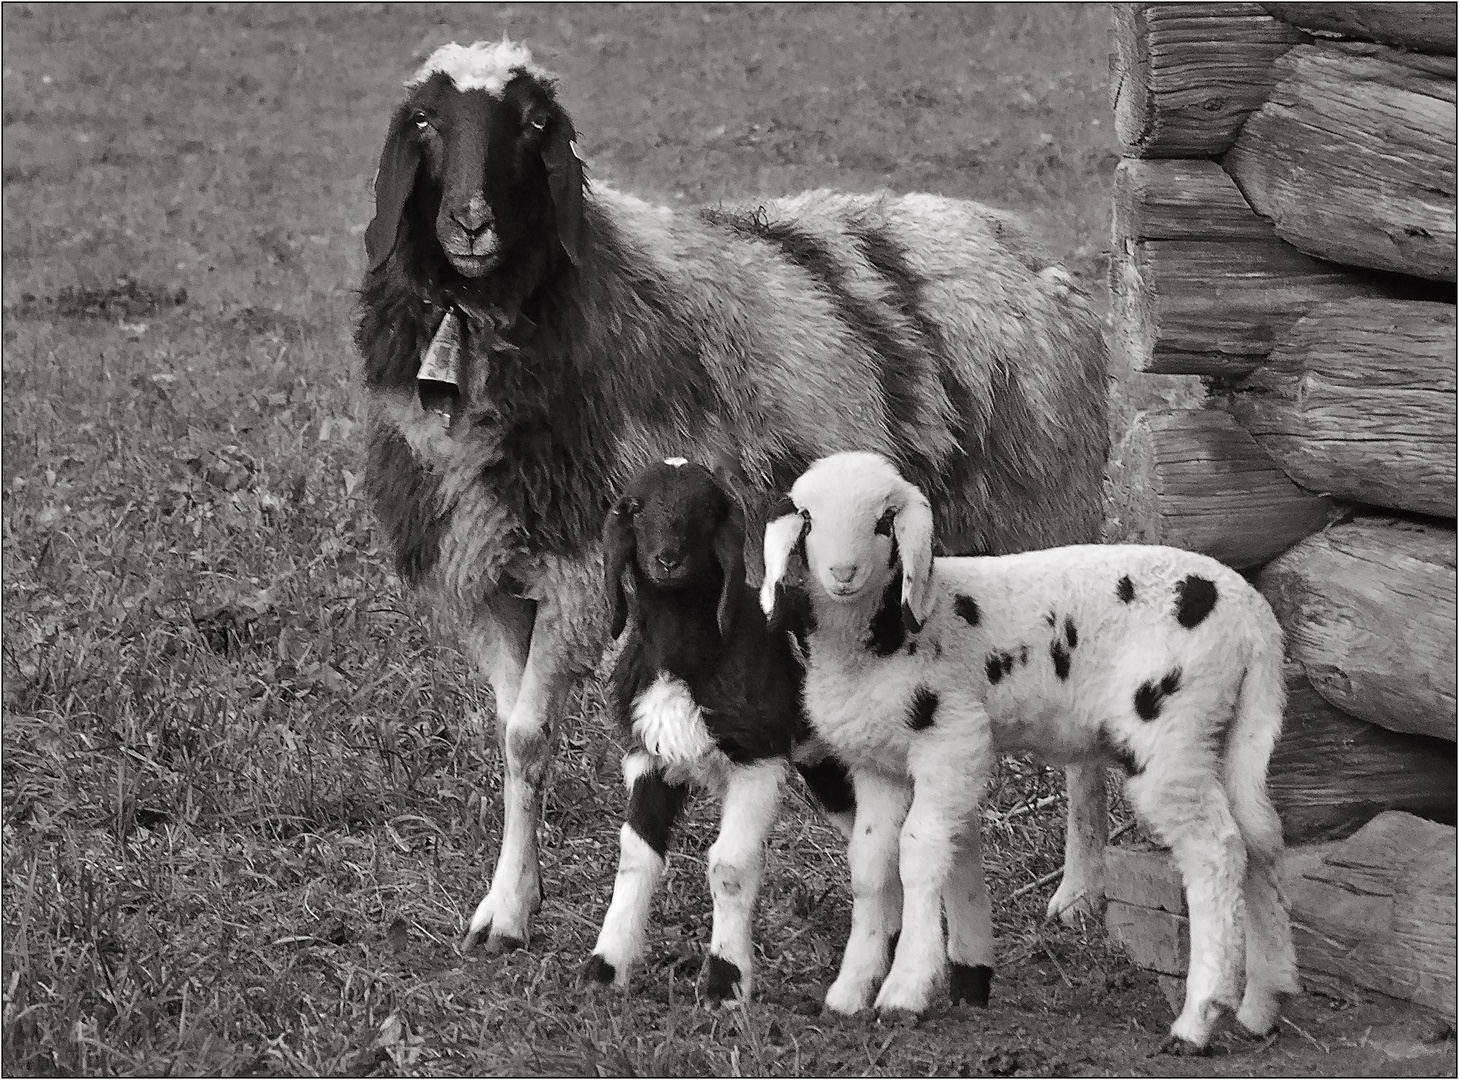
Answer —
(598, 332)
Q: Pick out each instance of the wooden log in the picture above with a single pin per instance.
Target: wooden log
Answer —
(1352, 158)
(1425, 27)
(1369, 610)
(1180, 199)
(1358, 401)
(1332, 773)
(1201, 307)
(1376, 909)
(1195, 479)
(1184, 77)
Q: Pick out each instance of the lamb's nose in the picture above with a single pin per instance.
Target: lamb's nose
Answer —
(669, 560)
(843, 573)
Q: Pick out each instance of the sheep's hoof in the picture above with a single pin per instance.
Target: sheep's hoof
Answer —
(1175, 1046)
(721, 980)
(897, 996)
(847, 1000)
(598, 970)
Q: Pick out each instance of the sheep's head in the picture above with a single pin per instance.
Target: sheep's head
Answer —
(678, 525)
(486, 150)
(855, 522)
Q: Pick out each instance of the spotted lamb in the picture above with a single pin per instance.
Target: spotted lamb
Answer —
(919, 669)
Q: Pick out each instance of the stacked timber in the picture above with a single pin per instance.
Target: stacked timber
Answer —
(1284, 226)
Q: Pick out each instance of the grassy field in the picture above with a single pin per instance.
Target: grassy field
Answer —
(240, 786)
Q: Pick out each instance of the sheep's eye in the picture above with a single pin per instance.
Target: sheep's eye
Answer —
(884, 523)
(420, 120)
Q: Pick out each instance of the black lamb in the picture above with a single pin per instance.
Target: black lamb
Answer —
(710, 699)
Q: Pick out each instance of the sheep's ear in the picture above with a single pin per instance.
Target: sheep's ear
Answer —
(618, 547)
(565, 182)
(729, 550)
(782, 533)
(912, 528)
(394, 181)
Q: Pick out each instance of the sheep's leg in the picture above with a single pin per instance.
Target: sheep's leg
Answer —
(944, 771)
(1184, 803)
(643, 842)
(736, 865)
(970, 942)
(1081, 892)
(876, 894)
(497, 639)
(505, 913)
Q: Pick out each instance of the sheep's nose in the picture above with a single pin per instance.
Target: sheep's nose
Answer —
(474, 216)
(669, 560)
(843, 573)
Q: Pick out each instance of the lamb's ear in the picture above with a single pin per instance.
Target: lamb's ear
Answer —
(394, 181)
(564, 181)
(912, 528)
(618, 547)
(782, 533)
(729, 551)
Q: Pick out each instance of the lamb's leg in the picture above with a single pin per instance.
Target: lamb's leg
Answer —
(949, 766)
(876, 894)
(653, 804)
(736, 864)
(1184, 803)
(1086, 831)
(505, 913)
(970, 941)
(1271, 959)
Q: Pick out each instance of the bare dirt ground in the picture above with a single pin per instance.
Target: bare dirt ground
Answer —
(240, 782)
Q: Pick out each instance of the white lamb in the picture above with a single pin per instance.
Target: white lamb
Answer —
(920, 669)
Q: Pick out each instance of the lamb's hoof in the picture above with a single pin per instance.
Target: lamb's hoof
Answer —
(721, 981)
(898, 1018)
(1258, 1015)
(1175, 1046)
(900, 996)
(1072, 905)
(499, 944)
(970, 983)
(598, 970)
(847, 1000)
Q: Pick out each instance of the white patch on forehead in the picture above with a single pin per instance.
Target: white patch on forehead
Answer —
(676, 462)
(484, 65)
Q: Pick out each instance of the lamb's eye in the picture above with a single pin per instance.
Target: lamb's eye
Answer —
(420, 120)
(884, 523)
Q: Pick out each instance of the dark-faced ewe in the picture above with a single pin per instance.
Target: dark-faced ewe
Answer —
(707, 699)
(919, 669)
(588, 333)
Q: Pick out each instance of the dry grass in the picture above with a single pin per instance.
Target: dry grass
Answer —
(240, 782)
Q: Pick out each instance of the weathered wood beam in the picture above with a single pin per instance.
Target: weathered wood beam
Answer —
(1196, 479)
(1352, 158)
(1184, 77)
(1358, 401)
(1200, 284)
(1376, 909)
(1199, 307)
(1369, 610)
(1332, 773)
(1425, 27)
(1180, 199)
